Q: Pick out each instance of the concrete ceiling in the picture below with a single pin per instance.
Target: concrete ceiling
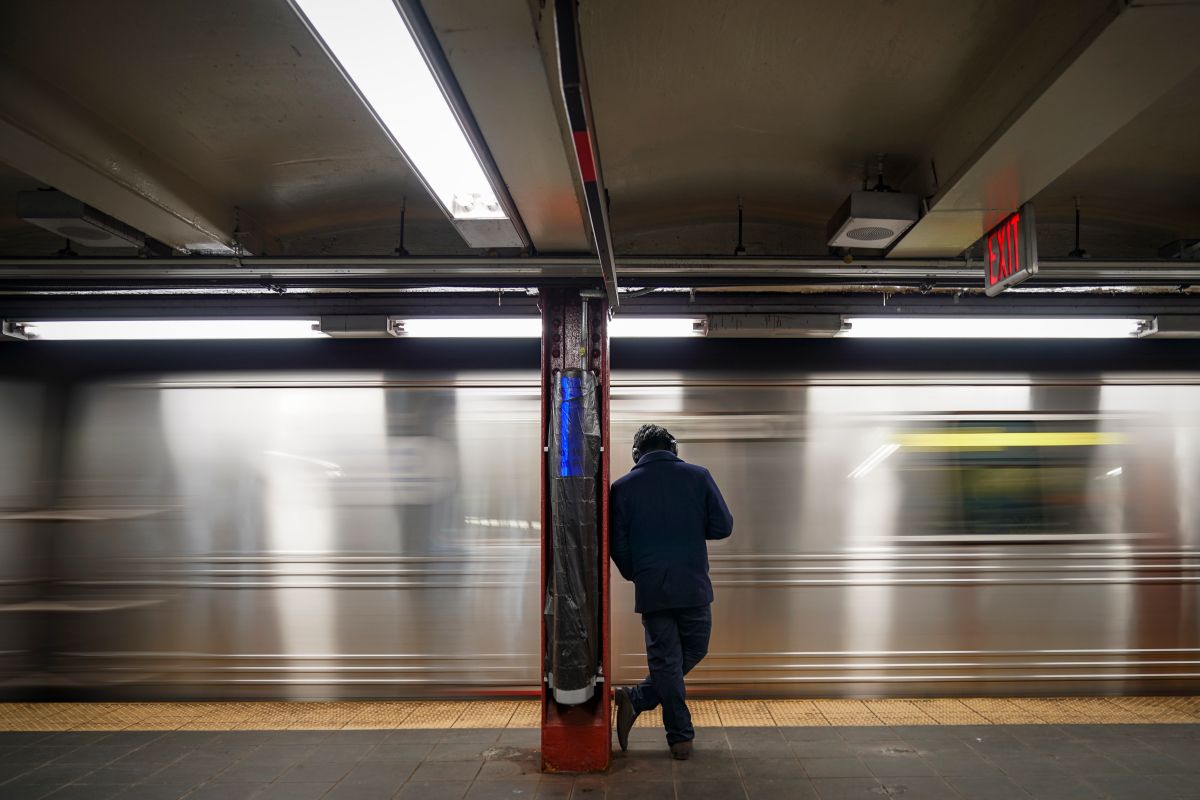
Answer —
(1139, 189)
(697, 102)
(240, 98)
(700, 101)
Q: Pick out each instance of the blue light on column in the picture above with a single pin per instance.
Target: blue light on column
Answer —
(570, 426)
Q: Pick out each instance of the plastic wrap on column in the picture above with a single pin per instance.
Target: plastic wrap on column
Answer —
(573, 594)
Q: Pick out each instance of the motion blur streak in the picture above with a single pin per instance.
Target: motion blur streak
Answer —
(275, 535)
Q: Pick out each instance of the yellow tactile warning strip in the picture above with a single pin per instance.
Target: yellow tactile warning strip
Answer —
(226, 716)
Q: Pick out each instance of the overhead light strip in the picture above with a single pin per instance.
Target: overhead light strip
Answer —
(497, 328)
(428, 328)
(375, 46)
(166, 329)
(993, 327)
(657, 327)
(531, 327)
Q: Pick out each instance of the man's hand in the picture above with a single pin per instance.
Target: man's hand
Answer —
(720, 521)
(618, 537)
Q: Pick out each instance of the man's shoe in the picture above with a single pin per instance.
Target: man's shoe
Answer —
(626, 714)
(681, 751)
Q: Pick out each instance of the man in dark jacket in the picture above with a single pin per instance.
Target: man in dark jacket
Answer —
(661, 515)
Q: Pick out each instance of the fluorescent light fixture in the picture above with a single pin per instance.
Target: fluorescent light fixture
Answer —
(430, 328)
(992, 327)
(656, 327)
(379, 54)
(496, 328)
(12, 330)
(874, 460)
(1172, 326)
(149, 329)
(774, 326)
(1114, 472)
(531, 327)
(357, 326)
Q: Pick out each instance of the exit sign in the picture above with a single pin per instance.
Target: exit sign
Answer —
(1010, 252)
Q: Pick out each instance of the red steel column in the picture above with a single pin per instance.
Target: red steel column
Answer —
(576, 738)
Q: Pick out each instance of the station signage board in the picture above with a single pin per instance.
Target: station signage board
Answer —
(1010, 251)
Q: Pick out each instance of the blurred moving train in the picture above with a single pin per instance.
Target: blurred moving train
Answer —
(339, 535)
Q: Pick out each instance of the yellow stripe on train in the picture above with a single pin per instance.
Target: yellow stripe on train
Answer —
(999, 440)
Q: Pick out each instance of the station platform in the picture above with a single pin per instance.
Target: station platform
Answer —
(1115, 748)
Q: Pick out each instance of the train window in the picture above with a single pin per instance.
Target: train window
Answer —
(1008, 479)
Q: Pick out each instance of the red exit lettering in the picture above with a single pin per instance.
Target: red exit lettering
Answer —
(1010, 251)
(1003, 250)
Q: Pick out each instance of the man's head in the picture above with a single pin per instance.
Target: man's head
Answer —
(650, 438)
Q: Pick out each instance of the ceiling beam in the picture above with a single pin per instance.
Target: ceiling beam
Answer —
(577, 102)
(55, 140)
(493, 50)
(63, 274)
(515, 303)
(1123, 62)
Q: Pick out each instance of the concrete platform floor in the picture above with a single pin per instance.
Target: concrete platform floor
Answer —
(488, 749)
(1118, 762)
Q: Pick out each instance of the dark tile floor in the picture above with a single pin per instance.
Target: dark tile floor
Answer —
(1118, 762)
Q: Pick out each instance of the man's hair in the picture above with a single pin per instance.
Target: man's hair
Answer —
(653, 437)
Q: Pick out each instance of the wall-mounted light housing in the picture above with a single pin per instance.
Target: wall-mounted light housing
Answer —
(358, 326)
(389, 56)
(1171, 326)
(12, 330)
(774, 326)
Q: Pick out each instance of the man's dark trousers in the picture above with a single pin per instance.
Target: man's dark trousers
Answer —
(676, 640)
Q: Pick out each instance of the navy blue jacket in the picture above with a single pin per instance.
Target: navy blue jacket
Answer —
(660, 515)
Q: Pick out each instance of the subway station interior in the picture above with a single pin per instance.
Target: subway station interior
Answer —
(327, 325)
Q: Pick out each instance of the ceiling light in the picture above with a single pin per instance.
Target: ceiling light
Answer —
(531, 327)
(374, 44)
(496, 328)
(150, 329)
(992, 327)
(656, 327)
